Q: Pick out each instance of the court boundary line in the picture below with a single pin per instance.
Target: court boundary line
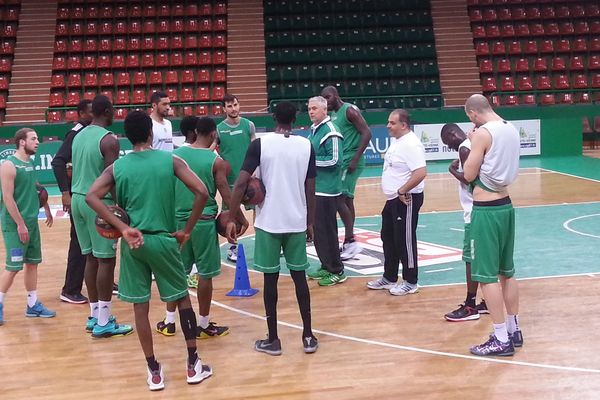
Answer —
(571, 175)
(567, 222)
(412, 348)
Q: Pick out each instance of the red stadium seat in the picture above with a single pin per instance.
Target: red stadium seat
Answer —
(202, 93)
(91, 79)
(596, 81)
(191, 25)
(60, 46)
(187, 94)
(149, 10)
(134, 44)
(164, 26)
(120, 11)
(135, 11)
(202, 110)
(162, 60)
(579, 45)
(558, 64)
(149, 26)
(120, 113)
(485, 66)
(519, 14)
(122, 97)
(191, 10)
(163, 10)
(91, 12)
(172, 94)
(106, 79)
(133, 61)
(536, 29)
(54, 116)
(204, 75)
(581, 28)
(108, 93)
(74, 80)
(105, 44)
(219, 58)
(71, 116)
(563, 46)
(508, 30)
(56, 99)
(103, 62)
(547, 99)
(73, 99)
(511, 100)
(562, 12)
(187, 111)
(592, 10)
(139, 97)
(187, 76)
(576, 64)
(148, 43)
(548, 12)
(546, 46)
(4, 83)
(507, 84)
(489, 14)
(530, 47)
(220, 9)
(543, 83)
(504, 14)
(139, 78)
(551, 29)
(525, 83)
(533, 13)
(106, 28)
(204, 58)
(76, 29)
(176, 59)
(191, 59)
(177, 10)
(89, 94)
(595, 27)
(498, 48)
(123, 79)
(9, 31)
(90, 46)
(171, 77)
(177, 26)
(147, 60)
(217, 109)
(565, 98)
(106, 12)
(580, 81)
(155, 78)
(489, 84)
(118, 61)
(191, 42)
(91, 28)
(478, 31)
(503, 65)
(595, 44)
(566, 28)
(522, 65)
(206, 25)
(120, 28)
(475, 15)
(528, 99)
(56, 81)
(176, 42)
(482, 49)
(162, 43)
(594, 62)
(74, 62)
(205, 41)
(220, 41)
(62, 13)
(120, 44)
(57, 64)
(492, 31)
(522, 30)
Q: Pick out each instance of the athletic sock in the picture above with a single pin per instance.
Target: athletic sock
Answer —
(512, 323)
(203, 321)
(94, 310)
(270, 299)
(2, 297)
(152, 363)
(187, 319)
(303, 298)
(170, 318)
(31, 298)
(103, 312)
(349, 240)
(194, 270)
(500, 332)
(192, 355)
(471, 299)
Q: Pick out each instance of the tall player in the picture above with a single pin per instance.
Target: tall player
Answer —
(357, 135)
(234, 136)
(162, 130)
(151, 244)
(19, 219)
(94, 149)
(457, 140)
(492, 166)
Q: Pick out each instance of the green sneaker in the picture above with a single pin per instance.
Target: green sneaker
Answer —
(192, 281)
(110, 330)
(318, 274)
(333, 279)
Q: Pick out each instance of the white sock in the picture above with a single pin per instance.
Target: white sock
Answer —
(94, 310)
(170, 318)
(203, 321)
(500, 332)
(2, 297)
(512, 323)
(194, 269)
(103, 312)
(31, 298)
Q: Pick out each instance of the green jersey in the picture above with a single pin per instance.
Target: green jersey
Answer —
(25, 194)
(87, 159)
(348, 130)
(201, 162)
(145, 187)
(327, 143)
(233, 145)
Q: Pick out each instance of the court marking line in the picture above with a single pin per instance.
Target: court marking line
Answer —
(412, 348)
(571, 175)
(567, 227)
(444, 178)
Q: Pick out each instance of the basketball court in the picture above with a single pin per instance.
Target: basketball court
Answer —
(372, 344)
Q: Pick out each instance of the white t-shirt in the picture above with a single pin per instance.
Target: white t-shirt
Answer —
(162, 135)
(404, 155)
(464, 194)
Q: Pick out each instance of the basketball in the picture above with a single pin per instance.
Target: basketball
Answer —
(255, 192)
(222, 221)
(42, 195)
(105, 229)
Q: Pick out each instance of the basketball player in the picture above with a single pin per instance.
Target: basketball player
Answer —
(203, 246)
(150, 243)
(357, 135)
(327, 144)
(19, 219)
(284, 220)
(491, 167)
(453, 137)
(71, 291)
(234, 136)
(162, 130)
(94, 149)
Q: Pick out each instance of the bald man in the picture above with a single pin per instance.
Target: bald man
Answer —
(492, 165)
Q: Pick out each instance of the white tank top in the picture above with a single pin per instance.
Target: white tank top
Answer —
(464, 194)
(501, 163)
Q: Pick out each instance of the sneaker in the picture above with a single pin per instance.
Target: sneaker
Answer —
(349, 251)
(111, 329)
(516, 338)
(272, 348)
(165, 329)
(494, 347)
(317, 273)
(482, 308)
(38, 310)
(381, 283)
(1, 313)
(90, 324)
(198, 372)
(232, 253)
(404, 288)
(333, 279)
(462, 313)
(115, 290)
(73, 298)
(156, 379)
(192, 281)
(212, 330)
(310, 344)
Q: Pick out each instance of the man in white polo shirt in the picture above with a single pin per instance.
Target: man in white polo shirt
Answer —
(162, 131)
(402, 182)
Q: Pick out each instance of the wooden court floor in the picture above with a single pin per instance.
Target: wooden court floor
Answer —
(372, 345)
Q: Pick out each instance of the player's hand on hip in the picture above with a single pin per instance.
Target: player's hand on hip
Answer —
(181, 237)
(66, 202)
(133, 237)
(23, 233)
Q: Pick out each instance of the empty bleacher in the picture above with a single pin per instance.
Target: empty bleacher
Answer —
(542, 52)
(9, 18)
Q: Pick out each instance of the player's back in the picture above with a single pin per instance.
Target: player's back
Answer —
(500, 165)
(87, 158)
(201, 161)
(145, 188)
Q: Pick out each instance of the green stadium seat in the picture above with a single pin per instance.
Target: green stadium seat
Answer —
(432, 85)
(370, 20)
(386, 87)
(336, 72)
(401, 51)
(299, 38)
(418, 86)
(369, 88)
(355, 36)
(369, 70)
(275, 91)
(297, 7)
(320, 71)
(430, 68)
(352, 71)
(415, 68)
(305, 73)
(397, 19)
(339, 21)
(340, 37)
(305, 90)
(270, 23)
(272, 56)
(402, 87)
(271, 39)
(299, 22)
(399, 68)
(284, 23)
(353, 88)
(325, 21)
(435, 102)
(387, 103)
(289, 73)
(300, 55)
(273, 74)
(290, 90)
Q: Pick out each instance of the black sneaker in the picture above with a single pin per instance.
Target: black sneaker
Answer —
(115, 290)
(494, 347)
(482, 308)
(73, 298)
(212, 330)
(516, 338)
(165, 329)
(272, 348)
(310, 344)
(462, 313)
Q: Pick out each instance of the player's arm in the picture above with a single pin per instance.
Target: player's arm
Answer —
(59, 166)
(109, 147)
(8, 173)
(309, 191)
(252, 131)
(49, 217)
(480, 141)
(333, 151)
(416, 177)
(220, 173)
(463, 154)
(361, 126)
(197, 187)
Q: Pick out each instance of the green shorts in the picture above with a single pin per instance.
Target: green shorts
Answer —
(202, 249)
(159, 256)
(90, 240)
(466, 254)
(267, 251)
(492, 242)
(18, 253)
(349, 180)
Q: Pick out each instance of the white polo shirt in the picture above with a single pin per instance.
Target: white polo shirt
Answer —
(162, 135)
(404, 155)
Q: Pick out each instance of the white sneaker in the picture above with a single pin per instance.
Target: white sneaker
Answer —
(404, 288)
(349, 251)
(156, 379)
(232, 253)
(381, 283)
(197, 373)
